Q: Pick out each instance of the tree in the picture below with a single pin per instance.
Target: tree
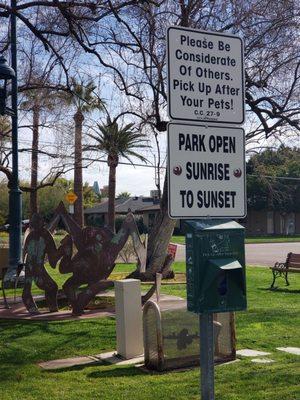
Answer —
(124, 195)
(83, 100)
(272, 64)
(90, 198)
(117, 142)
(3, 203)
(36, 101)
(273, 180)
(37, 96)
(128, 39)
(137, 39)
(48, 198)
(5, 130)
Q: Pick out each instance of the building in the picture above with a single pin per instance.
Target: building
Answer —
(142, 207)
(256, 223)
(266, 222)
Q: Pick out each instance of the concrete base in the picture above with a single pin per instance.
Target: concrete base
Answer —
(110, 357)
(68, 362)
(251, 353)
(262, 360)
(290, 350)
(227, 363)
(113, 358)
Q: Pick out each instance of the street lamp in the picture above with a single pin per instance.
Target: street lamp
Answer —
(15, 203)
(6, 74)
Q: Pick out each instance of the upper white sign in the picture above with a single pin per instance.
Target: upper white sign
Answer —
(205, 76)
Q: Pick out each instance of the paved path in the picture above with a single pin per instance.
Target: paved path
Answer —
(268, 253)
(258, 254)
(18, 311)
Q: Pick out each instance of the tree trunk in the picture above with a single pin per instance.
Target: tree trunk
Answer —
(112, 163)
(78, 189)
(159, 239)
(160, 235)
(34, 160)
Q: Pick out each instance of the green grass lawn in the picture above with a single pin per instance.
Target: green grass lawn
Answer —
(273, 239)
(257, 239)
(272, 320)
(180, 239)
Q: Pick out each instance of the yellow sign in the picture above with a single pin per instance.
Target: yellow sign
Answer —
(71, 197)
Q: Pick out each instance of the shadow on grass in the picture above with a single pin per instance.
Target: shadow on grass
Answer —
(28, 342)
(73, 368)
(117, 372)
(280, 290)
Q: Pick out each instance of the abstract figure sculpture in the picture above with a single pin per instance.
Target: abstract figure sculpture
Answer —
(39, 243)
(97, 250)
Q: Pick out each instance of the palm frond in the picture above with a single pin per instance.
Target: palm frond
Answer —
(82, 97)
(121, 142)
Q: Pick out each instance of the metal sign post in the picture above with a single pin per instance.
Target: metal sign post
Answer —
(206, 163)
(207, 356)
(71, 198)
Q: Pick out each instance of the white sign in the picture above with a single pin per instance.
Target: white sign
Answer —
(206, 171)
(205, 76)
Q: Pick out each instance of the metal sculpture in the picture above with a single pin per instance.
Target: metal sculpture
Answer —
(97, 250)
(91, 265)
(39, 243)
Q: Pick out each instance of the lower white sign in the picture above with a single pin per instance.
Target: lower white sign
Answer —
(206, 171)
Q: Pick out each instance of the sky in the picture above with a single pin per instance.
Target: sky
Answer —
(137, 180)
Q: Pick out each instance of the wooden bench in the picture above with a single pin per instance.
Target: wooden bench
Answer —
(292, 264)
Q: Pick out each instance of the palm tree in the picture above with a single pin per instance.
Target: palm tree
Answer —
(117, 142)
(35, 101)
(124, 195)
(83, 100)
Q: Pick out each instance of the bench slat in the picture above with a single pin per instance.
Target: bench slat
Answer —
(294, 258)
(293, 261)
(293, 270)
(293, 265)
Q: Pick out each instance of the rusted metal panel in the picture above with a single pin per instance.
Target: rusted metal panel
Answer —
(92, 263)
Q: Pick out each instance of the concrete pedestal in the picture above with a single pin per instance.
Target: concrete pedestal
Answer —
(129, 322)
